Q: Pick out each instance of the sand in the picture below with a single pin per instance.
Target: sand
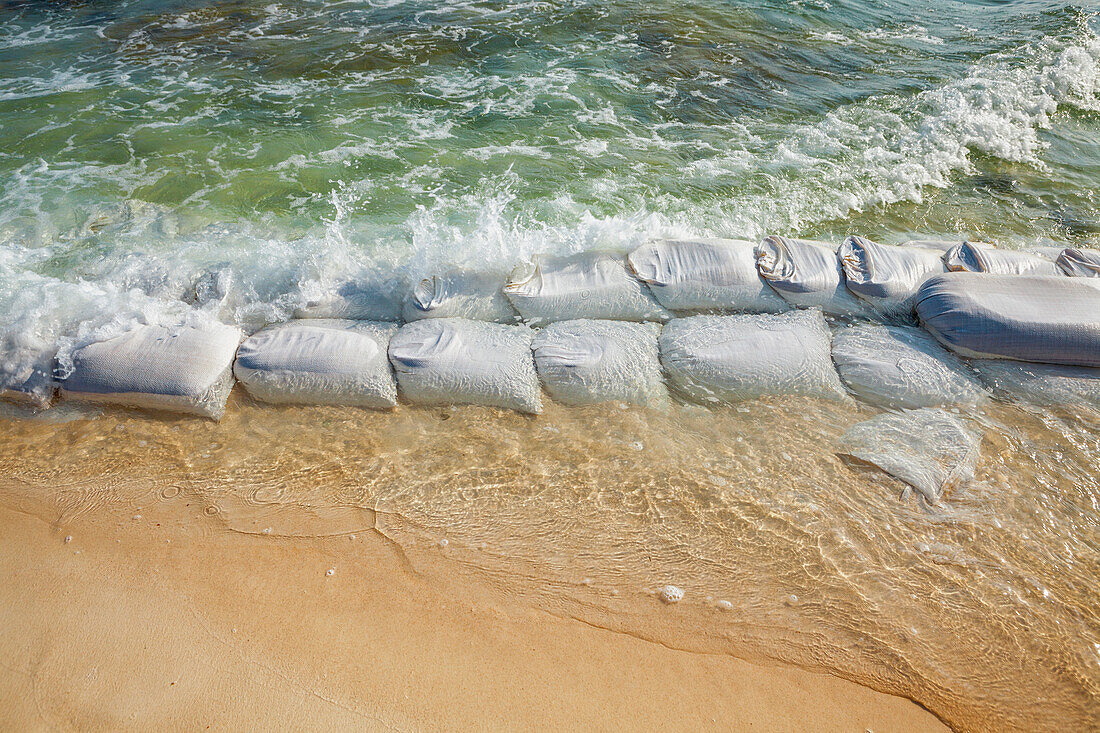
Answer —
(491, 568)
(144, 612)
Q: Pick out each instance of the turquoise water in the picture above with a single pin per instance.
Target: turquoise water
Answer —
(286, 145)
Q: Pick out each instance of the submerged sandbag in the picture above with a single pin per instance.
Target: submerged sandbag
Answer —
(187, 369)
(321, 361)
(1045, 385)
(977, 257)
(807, 275)
(929, 449)
(1030, 318)
(355, 300)
(450, 361)
(478, 296)
(587, 285)
(28, 380)
(704, 275)
(586, 362)
(887, 277)
(1079, 262)
(903, 368)
(733, 358)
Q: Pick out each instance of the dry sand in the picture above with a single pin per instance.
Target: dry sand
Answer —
(141, 612)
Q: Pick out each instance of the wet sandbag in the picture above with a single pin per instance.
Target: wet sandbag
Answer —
(940, 245)
(1044, 385)
(187, 369)
(887, 277)
(689, 275)
(587, 285)
(734, 358)
(807, 275)
(451, 361)
(902, 368)
(477, 296)
(1079, 262)
(27, 379)
(586, 362)
(978, 257)
(354, 300)
(1030, 318)
(320, 362)
(931, 450)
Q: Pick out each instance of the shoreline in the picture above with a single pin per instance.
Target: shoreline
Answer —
(122, 626)
(789, 558)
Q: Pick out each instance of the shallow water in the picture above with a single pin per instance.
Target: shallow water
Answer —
(981, 607)
(171, 161)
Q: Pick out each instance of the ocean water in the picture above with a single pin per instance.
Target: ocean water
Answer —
(176, 161)
(271, 149)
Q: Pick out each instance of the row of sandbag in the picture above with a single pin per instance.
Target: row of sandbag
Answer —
(1040, 318)
(459, 361)
(978, 300)
(862, 279)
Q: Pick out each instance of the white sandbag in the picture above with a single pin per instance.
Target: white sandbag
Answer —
(716, 275)
(929, 449)
(319, 361)
(450, 361)
(807, 275)
(902, 368)
(733, 358)
(940, 245)
(977, 257)
(1030, 318)
(28, 379)
(1079, 262)
(355, 300)
(1045, 385)
(586, 362)
(887, 277)
(478, 296)
(587, 285)
(182, 370)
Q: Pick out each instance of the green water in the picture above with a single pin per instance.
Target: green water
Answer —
(417, 120)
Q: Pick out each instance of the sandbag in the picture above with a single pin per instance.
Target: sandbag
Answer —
(1079, 262)
(355, 300)
(929, 449)
(887, 277)
(1044, 385)
(27, 380)
(478, 296)
(977, 257)
(716, 275)
(902, 368)
(733, 358)
(587, 285)
(319, 361)
(450, 361)
(807, 275)
(188, 369)
(1030, 318)
(940, 245)
(587, 362)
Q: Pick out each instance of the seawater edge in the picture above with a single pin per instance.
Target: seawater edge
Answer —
(821, 564)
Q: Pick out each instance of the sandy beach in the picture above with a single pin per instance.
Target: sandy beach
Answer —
(147, 612)
(471, 567)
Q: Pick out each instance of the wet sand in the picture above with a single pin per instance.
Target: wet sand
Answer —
(139, 615)
(491, 570)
